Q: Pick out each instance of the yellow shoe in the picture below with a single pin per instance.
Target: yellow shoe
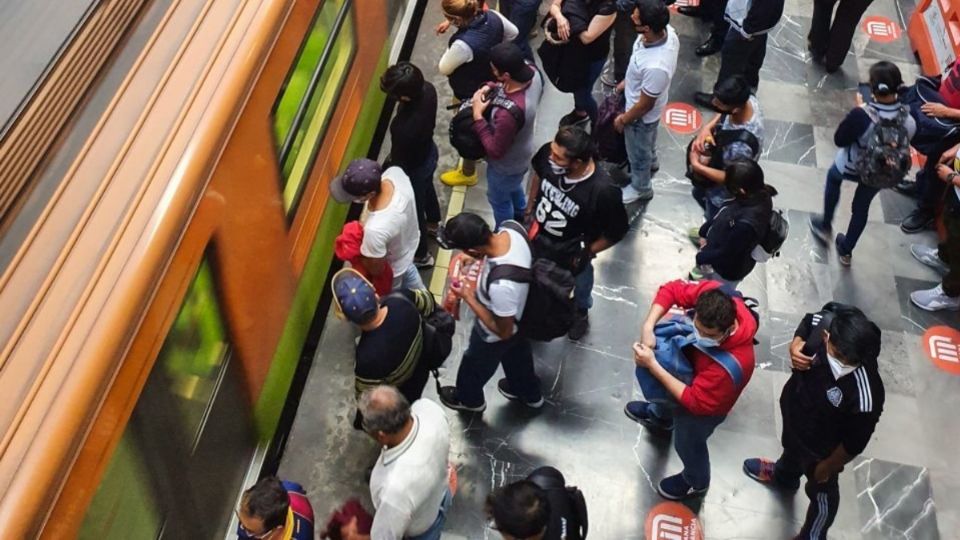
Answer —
(455, 177)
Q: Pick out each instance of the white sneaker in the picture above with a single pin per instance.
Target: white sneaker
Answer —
(631, 195)
(928, 256)
(935, 300)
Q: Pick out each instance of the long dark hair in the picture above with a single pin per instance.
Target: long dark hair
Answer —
(744, 179)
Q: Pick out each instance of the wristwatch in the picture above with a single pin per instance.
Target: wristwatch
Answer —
(951, 176)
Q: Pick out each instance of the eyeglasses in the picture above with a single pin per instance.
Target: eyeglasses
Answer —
(247, 534)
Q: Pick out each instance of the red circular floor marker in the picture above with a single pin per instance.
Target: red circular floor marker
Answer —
(672, 521)
(684, 3)
(881, 29)
(682, 118)
(941, 344)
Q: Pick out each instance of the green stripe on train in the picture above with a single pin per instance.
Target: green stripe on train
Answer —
(273, 396)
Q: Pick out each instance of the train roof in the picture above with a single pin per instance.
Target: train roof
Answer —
(32, 36)
(91, 255)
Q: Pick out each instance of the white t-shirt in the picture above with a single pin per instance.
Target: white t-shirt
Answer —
(409, 481)
(506, 298)
(740, 150)
(392, 231)
(650, 71)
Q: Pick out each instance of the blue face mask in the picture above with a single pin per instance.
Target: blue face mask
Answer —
(705, 341)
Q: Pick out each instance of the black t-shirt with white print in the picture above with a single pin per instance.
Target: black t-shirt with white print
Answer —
(583, 209)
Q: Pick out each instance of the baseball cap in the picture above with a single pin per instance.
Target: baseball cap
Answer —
(361, 178)
(508, 58)
(354, 296)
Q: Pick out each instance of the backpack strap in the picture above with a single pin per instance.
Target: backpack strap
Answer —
(579, 503)
(502, 101)
(726, 360)
(508, 272)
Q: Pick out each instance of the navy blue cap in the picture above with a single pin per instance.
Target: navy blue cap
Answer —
(361, 178)
(354, 296)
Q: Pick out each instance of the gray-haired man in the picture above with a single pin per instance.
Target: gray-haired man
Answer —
(409, 484)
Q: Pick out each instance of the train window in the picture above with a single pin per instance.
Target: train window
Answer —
(190, 438)
(309, 96)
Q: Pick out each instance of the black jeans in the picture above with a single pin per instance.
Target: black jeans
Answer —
(824, 498)
(624, 36)
(425, 196)
(480, 362)
(714, 13)
(833, 39)
(742, 56)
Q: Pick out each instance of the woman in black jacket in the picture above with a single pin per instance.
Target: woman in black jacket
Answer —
(728, 240)
(584, 27)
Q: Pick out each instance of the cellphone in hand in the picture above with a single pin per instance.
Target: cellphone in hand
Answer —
(866, 93)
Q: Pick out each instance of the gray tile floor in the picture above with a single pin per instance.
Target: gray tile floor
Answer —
(904, 486)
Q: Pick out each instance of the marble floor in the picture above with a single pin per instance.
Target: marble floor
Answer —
(904, 486)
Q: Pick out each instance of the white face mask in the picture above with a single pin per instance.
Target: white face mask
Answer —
(557, 169)
(838, 368)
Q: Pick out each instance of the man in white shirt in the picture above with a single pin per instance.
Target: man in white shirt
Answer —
(390, 234)
(498, 305)
(647, 86)
(409, 484)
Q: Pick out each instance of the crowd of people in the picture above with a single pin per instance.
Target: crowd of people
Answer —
(556, 207)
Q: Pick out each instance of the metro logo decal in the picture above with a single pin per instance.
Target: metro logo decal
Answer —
(941, 344)
(684, 3)
(682, 118)
(881, 29)
(672, 521)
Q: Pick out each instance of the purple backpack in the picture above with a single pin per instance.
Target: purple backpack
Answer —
(610, 144)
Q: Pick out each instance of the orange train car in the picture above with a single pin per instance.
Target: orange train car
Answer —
(165, 235)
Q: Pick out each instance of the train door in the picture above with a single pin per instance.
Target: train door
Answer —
(189, 441)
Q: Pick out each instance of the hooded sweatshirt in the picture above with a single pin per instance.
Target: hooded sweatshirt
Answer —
(347, 248)
(712, 391)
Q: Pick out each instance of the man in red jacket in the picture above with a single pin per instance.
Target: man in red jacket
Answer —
(719, 321)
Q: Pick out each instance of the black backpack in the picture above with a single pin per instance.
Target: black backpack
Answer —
(567, 505)
(885, 159)
(773, 239)
(721, 139)
(549, 312)
(462, 136)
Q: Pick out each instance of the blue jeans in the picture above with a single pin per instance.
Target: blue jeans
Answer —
(859, 210)
(523, 14)
(480, 362)
(433, 533)
(505, 194)
(583, 97)
(711, 199)
(409, 280)
(583, 288)
(690, 434)
(641, 141)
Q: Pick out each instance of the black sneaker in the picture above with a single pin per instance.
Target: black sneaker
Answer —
(504, 388)
(917, 221)
(907, 187)
(449, 399)
(581, 325)
(574, 119)
(639, 412)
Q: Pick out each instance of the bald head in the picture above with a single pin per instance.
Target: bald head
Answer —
(384, 410)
